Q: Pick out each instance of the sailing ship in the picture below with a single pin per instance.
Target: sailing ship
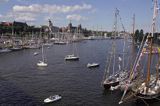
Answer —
(73, 56)
(42, 62)
(147, 88)
(112, 79)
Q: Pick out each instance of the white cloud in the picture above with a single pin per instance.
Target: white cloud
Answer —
(25, 17)
(46, 8)
(20, 16)
(76, 17)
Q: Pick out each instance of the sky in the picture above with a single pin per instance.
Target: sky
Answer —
(92, 14)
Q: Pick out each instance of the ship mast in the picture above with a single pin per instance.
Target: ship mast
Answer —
(155, 13)
(114, 45)
(133, 25)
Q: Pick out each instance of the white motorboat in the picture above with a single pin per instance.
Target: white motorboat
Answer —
(35, 53)
(71, 57)
(91, 65)
(42, 64)
(52, 99)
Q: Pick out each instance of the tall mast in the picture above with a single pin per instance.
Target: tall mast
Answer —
(114, 45)
(133, 26)
(42, 54)
(155, 13)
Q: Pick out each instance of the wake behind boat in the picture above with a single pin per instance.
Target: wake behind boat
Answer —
(52, 99)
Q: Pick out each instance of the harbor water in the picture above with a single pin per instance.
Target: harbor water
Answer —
(22, 83)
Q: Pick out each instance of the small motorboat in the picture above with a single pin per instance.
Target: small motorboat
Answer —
(71, 57)
(52, 99)
(92, 65)
(35, 53)
(42, 64)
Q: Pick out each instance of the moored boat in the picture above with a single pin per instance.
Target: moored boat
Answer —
(71, 57)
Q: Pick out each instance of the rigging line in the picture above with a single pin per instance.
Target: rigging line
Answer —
(137, 58)
(144, 102)
(132, 70)
(157, 68)
(114, 58)
(124, 47)
(107, 68)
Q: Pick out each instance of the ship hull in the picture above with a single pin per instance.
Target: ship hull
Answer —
(108, 85)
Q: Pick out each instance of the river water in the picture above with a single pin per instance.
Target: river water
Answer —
(22, 83)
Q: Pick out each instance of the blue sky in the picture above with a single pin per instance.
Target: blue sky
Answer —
(93, 14)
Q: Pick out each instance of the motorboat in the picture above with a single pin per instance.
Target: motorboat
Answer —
(92, 65)
(35, 53)
(52, 99)
(71, 57)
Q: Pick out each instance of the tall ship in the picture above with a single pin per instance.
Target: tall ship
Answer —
(148, 87)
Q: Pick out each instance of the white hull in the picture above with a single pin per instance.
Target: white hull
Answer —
(90, 65)
(52, 99)
(42, 64)
(71, 57)
(35, 53)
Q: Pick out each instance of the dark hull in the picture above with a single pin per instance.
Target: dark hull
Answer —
(108, 85)
(60, 43)
(17, 49)
(148, 97)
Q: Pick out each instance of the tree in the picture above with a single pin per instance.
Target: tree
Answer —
(140, 37)
(136, 35)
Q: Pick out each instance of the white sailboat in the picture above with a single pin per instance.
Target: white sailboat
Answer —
(42, 62)
(73, 56)
(112, 79)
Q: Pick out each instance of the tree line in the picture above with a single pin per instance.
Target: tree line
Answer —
(139, 34)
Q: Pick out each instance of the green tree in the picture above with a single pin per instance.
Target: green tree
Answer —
(140, 37)
(136, 35)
